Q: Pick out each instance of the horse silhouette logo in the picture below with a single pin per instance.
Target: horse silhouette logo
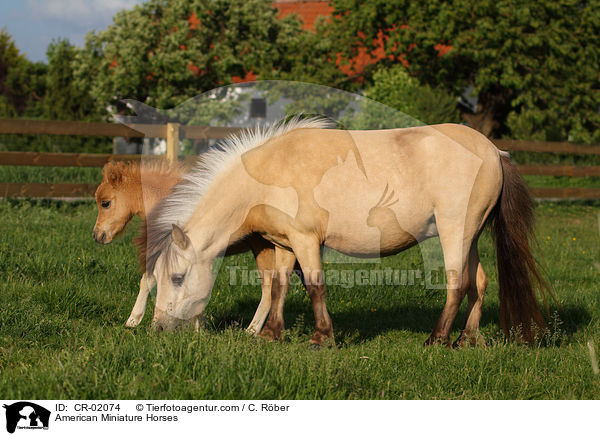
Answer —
(26, 415)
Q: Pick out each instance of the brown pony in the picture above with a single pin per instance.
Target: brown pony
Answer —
(122, 195)
(129, 189)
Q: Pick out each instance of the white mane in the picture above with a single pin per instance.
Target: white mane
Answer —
(179, 206)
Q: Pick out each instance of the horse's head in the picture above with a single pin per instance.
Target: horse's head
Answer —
(183, 283)
(116, 199)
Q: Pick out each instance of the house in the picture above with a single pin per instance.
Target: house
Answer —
(309, 11)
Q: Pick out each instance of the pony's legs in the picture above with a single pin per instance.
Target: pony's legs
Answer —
(265, 261)
(477, 284)
(308, 253)
(456, 246)
(137, 313)
(284, 263)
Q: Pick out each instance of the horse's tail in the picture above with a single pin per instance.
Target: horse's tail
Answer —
(512, 220)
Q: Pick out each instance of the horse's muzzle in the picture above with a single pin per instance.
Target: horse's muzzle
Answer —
(100, 238)
(166, 323)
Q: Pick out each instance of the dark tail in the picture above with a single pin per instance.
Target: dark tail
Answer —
(513, 220)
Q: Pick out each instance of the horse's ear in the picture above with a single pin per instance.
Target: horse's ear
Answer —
(113, 174)
(179, 237)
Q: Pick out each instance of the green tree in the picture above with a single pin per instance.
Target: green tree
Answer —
(532, 63)
(22, 85)
(163, 52)
(396, 88)
(310, 57)
(37, 90)
(64, 100)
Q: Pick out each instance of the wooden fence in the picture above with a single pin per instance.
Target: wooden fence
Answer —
(174, 133)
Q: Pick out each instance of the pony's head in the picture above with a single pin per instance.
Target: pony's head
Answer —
(116, 200)
(183, 283)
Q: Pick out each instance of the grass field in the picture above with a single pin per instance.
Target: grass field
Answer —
(64, 301)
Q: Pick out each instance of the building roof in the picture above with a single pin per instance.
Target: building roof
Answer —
(307, 10)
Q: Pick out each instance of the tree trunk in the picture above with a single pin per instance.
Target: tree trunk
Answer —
(492, 108)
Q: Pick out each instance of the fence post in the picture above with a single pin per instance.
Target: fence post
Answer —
(172, 141)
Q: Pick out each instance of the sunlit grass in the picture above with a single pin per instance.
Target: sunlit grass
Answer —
(64, 300)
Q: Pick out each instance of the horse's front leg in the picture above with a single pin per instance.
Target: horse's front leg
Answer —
(265, 261)
(137, 313)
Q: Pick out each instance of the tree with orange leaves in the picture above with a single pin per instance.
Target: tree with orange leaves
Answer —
(532, 66)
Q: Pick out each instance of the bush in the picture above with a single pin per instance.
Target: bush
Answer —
(396, 88)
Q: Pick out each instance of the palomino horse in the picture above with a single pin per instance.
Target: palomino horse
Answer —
(363, 193)
(130, 189)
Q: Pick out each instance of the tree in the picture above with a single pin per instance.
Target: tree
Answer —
(22, 84)
(163, 52)
(63, 100)
(310, 57)
(533, 63)
(397, 89)
(37, 90)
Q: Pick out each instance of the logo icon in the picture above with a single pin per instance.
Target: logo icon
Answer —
(26, 415)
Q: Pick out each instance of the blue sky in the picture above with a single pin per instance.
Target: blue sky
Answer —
(33, 24)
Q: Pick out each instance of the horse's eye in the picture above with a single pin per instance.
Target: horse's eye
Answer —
(105, 204)
(177, 279)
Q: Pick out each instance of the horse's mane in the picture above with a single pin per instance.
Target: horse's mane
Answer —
(135, 170)
(180, 204)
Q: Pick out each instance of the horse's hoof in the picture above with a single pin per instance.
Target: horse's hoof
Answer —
(315, 347)
(132, 323)
(268, 334)
(252, 331)
(434, 340)
(471, 340)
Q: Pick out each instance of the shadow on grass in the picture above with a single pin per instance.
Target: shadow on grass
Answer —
(355, 325)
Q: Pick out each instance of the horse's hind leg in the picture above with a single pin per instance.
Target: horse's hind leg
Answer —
(139, 309)
(456, 239)
(284, 263)
(477, 284)
(309, 256)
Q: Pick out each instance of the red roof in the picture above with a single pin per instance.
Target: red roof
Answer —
(307, 10)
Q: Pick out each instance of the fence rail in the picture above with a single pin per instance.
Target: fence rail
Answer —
(545, 147)
(43, 190)
(81, 128)
(174, 133)
(18, 158)
(566, 193)
(98, 159)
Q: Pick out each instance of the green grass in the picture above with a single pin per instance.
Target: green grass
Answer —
(64, 301)
(24, 174)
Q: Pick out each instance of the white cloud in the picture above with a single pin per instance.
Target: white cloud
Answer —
(84, 13)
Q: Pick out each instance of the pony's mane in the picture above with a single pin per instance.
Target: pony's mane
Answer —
(180, 204)
(162, 167)
(135, 170)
